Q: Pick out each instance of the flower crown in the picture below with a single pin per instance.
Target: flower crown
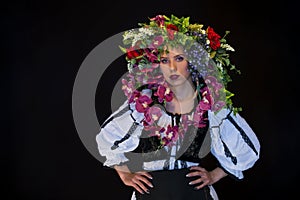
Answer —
(208, 55)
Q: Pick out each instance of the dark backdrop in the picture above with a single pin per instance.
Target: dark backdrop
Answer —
(45, 43)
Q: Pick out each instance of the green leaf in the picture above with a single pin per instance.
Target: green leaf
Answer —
(227, 61)
(226, 33)
(212, 54)
(123, 49)
(221, 50)
(223, 40)
(228, 94)
(185, 22)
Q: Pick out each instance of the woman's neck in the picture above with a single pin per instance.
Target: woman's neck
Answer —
(184, 91)
(183, 100)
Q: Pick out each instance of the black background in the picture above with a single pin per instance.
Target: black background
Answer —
(45, 43)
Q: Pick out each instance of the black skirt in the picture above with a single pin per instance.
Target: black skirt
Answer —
(174, 185)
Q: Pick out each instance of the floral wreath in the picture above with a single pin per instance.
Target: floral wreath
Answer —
(208, 58)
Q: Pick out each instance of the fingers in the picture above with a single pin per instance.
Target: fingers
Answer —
(140, 187)
(197, 171)
(203, 180)
(201, 186)
(198, 168)
(145, 174)
(137, 188)
(141, 181)
(202, 177)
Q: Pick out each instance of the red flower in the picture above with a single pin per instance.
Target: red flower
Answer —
(134, 52)
(151, 55)
(159, 19)
(214, 38)
(171, 28)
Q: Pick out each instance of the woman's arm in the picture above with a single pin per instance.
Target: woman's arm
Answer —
(138, 180)
(119, 134)
(234, 143)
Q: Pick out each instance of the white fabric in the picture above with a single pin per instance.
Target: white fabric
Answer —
(213, 192)
(221, 129)
(159, 165)
(115, 130)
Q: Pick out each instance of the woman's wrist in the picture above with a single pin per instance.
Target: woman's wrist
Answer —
(122, 169)
(217, 174)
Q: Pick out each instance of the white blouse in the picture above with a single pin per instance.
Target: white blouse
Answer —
(233, 142)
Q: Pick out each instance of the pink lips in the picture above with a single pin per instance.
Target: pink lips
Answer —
(174, 77)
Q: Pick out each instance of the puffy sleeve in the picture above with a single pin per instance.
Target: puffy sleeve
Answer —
(234, 143)
(119, 133)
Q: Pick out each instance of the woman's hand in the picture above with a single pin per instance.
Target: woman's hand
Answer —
(205, 177)
(137, 180)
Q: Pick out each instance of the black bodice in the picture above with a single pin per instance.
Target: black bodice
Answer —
(150, 149)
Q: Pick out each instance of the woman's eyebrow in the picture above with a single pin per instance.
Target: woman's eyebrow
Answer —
(178, 55)
(173, 56)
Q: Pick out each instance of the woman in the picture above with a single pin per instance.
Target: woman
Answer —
(178, 109)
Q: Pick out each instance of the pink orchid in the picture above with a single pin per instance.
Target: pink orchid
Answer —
(213, 83)
(127, 87)
(199, 120)
(157, 41)
(186, 122)
(164, 93)
(134, 96)
(152, 115)
(142, 103)
(171, 135)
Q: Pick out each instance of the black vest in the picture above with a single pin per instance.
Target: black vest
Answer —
(149, 148)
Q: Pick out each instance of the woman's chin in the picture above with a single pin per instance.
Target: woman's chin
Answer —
(177, 82)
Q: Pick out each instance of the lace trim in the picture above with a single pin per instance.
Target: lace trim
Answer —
(243, 134)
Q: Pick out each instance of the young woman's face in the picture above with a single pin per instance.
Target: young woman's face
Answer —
(174, 66)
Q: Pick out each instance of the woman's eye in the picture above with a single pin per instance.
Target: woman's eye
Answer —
(164, 60)
(179, 58)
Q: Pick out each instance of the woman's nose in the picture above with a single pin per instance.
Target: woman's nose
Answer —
(173, 66)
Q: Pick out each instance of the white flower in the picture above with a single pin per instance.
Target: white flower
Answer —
(129, 67)
(146, 31)
(137, 34)
(227, 47)
(129, 34)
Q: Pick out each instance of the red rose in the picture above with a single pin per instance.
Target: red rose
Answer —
(171, 28)
(134, 52)
(214, 38)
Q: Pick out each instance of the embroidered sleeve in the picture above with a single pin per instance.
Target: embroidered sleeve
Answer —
(119, 134)
(234, 143)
